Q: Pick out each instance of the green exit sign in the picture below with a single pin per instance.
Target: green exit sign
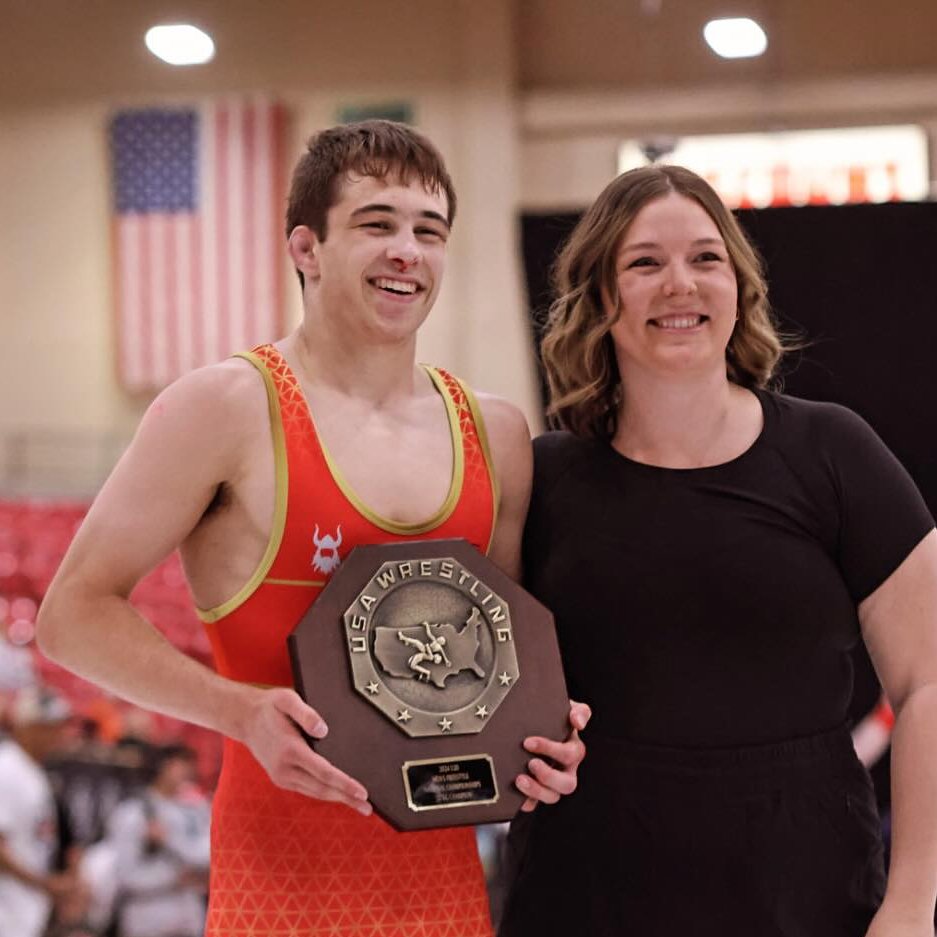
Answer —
(400, 111)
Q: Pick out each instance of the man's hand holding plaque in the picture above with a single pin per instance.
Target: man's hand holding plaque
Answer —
(431, 667)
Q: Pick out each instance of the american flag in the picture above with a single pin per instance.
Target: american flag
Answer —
(197, 198)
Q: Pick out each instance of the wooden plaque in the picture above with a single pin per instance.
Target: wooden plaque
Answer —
(430, 666)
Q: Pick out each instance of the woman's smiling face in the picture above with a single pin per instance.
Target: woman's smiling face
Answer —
(677, 291)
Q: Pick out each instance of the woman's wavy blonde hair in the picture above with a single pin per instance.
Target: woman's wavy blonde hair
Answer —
(577, 350)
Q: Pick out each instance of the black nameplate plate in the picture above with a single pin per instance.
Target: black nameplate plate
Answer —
(434, 784)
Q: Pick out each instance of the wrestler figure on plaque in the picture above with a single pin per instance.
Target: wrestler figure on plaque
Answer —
(430, 651)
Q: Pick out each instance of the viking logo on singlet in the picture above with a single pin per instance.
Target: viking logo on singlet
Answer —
(326, 557)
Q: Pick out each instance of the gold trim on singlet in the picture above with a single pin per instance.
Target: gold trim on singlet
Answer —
(482, 433)
(281, 486)
(455, 485)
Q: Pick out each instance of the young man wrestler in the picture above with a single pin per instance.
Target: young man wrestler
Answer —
(229, 466)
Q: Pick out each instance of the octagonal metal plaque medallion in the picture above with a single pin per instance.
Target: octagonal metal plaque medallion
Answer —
(431, 646)
(430, 666)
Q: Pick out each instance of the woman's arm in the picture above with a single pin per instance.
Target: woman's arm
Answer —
(899, 625)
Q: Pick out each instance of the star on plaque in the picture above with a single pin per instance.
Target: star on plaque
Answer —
(445, 724)
(372, 688)
(404, 715)
(504, 678)
(481, 711)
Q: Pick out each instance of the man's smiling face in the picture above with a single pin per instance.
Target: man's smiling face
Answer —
(380, 266)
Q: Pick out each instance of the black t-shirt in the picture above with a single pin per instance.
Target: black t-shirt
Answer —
(717, 606)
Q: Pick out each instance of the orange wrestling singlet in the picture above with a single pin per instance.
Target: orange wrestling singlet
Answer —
(285, 865)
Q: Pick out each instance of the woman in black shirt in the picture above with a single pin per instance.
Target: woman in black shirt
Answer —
(711, 551)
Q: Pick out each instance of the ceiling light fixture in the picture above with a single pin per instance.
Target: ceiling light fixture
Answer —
(739, 38)
(180, 44)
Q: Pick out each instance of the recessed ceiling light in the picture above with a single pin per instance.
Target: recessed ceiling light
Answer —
(180, 44)
(735, 38)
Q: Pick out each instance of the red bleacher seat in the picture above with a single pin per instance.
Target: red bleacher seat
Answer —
(34, 536)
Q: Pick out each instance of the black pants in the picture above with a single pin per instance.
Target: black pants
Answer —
(771, 841)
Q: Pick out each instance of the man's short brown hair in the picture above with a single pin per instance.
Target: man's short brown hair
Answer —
(376, 148)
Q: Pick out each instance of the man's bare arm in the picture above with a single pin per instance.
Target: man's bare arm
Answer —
(184, 449)
(190, 442)
(509, 443)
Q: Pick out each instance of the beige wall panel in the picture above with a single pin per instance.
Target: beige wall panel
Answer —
(565, 173)
(55, 290)
(483, 327)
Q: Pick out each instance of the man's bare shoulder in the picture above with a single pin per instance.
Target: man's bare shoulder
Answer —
(512, 455)
(219, 402)
(201, 429)
(509, 443)
(218, 388)
(505, 424)
(194, 438)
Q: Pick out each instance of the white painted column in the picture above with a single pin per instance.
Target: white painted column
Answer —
(480, 329)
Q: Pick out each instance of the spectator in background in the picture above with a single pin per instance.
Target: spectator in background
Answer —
(29, 888)
(161, 845)
(17, 668)
(871, 736)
